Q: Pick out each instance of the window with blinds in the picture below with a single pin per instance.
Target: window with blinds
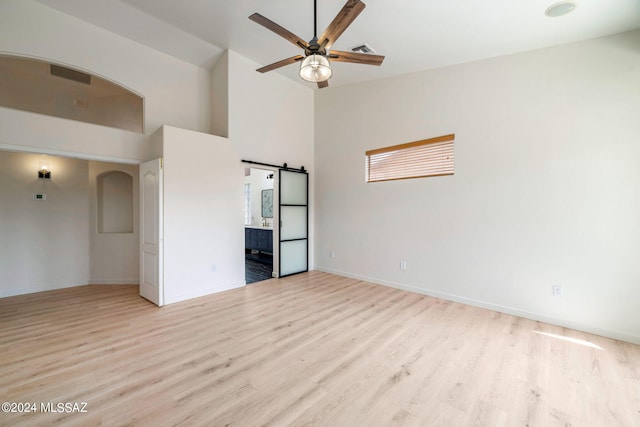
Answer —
(419, 159)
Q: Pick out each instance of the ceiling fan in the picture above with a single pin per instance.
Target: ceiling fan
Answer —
(315, 66)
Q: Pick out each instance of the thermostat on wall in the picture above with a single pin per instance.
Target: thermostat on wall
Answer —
(39, 196)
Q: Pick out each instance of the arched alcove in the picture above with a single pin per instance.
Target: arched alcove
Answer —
(115, 202)
(56, 90)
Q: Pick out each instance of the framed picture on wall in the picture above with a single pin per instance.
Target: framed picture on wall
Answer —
(267, 203)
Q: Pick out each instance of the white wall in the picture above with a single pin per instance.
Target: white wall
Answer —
(175, 92)
(220, 96)
(114, 256)
(203, 215)
(271, 120)
(43, 244)
(546, 190)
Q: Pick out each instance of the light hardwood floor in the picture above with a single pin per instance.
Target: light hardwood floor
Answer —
(312, 349)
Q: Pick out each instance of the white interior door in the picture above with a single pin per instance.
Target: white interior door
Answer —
(294, 222)
(151, 256)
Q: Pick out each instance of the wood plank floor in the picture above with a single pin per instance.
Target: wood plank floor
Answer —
(308, 350)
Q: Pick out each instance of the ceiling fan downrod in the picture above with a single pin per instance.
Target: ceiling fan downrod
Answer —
(315, 20)
(314, 48)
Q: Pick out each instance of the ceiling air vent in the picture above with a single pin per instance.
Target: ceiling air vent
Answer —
(69, 74)
(363, 48)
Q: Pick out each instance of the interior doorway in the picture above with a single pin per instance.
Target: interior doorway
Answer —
(259, 220)
(76, 225)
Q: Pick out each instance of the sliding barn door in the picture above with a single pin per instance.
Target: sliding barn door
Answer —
(294, 222)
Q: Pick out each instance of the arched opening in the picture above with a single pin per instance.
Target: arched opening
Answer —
(55, 90)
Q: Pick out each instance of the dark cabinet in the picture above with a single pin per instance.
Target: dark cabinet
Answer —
(258, 239)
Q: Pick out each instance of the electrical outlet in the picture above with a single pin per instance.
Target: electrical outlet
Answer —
(213, 268)
(403, 265)
(557, 291)
(332, 254)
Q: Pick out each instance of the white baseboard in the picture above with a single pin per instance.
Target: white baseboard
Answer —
(34, 289)
(201, 292)
(114, 281)
(622, 336)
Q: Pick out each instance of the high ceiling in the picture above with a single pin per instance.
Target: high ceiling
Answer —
(414, 35)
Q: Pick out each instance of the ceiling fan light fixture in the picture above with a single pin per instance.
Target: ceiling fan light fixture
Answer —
(315, 68)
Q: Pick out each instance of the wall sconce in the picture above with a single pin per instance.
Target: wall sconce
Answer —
(44, 172)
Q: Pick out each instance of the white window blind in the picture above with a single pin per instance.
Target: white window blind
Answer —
(419, 159)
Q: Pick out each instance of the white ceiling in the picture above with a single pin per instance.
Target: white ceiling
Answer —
(414, 35)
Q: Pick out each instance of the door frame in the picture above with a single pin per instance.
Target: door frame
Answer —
(276, 216)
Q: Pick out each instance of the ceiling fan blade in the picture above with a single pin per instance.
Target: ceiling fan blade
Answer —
(343, 19)
(355, 57)
(280, 63)
(323, 84)
(281, 31)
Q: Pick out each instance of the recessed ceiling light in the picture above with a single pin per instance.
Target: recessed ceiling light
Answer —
(560, 9)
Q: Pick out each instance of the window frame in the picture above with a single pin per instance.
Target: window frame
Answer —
(402, 150)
